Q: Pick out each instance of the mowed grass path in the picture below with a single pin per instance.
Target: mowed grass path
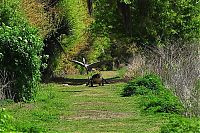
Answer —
(61, 108)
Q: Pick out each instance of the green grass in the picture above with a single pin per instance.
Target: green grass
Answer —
(61, 108)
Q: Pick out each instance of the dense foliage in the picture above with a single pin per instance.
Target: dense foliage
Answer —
(143, 85)
(181, 125)
(148, 22)
(156, 21)
(164, 101)
(155, 97)
(20, 49)
(74, 41)
(109, 27)
(76, 17)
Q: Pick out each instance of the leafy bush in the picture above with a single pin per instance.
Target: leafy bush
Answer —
(20, 48)
(155, 97)
(76, 41)
(107, 18)
(142, 85)
(181, 125)
(165, 102)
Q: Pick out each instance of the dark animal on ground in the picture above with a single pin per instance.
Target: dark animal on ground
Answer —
(96, 79)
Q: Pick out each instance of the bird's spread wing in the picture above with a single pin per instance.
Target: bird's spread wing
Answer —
(96, 64)
(77, 62)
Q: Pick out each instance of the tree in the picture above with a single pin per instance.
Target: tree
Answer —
(148, 22)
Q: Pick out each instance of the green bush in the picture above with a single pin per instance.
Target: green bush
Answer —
(155, 97)
(107, 18)
(20, 49)
(143, 85)
(181, 125)
(164, 102)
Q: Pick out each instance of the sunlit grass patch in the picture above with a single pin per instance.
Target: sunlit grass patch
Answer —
(79, 108)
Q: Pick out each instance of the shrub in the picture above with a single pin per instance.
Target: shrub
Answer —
(164, 102)
(155, 97)
(20, 48)
(181, 125)
(142, 85)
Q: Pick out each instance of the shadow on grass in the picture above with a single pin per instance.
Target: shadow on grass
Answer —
(69, 81)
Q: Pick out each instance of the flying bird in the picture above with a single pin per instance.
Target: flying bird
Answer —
(88, 67)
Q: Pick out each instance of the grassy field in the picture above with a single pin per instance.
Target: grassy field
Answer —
(66, 108)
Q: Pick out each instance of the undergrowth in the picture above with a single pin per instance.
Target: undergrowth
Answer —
(143, 85)
(181, 125)
(8, 124)
(155, 97)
